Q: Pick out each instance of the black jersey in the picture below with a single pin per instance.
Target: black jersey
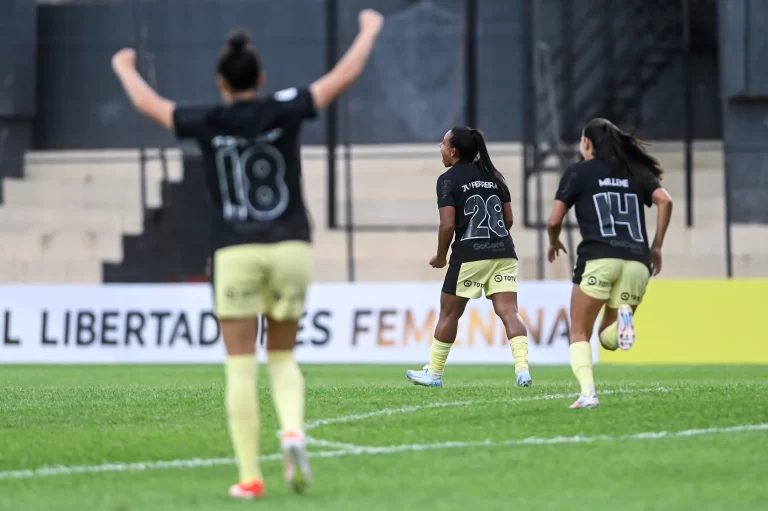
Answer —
(609, 210)
(253, 166)
(480, 232)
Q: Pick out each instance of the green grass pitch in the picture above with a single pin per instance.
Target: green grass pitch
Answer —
(478, 443)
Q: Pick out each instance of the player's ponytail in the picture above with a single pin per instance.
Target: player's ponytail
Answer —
(483, 159)
(238, 63)
(470, 144)
(622, 151)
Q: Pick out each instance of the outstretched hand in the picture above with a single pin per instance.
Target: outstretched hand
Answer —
(124, 59)
(554, 250)
(370, 21)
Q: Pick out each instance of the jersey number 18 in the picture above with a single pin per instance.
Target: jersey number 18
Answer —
(251, 180)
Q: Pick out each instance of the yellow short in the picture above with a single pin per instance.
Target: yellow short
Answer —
(616, 281)
(270, 279)
(468, 280)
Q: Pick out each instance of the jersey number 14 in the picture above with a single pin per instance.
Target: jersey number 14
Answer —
(613, 211)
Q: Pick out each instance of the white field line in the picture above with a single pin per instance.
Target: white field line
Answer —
(361, 450)
(414, 408)
(341, 449)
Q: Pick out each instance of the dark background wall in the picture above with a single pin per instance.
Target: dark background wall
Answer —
(744, 49)
(411, 92)
(18, 41)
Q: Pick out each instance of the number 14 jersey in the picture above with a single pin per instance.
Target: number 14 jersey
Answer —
(609, 210)
(252, 161)
(479, 232)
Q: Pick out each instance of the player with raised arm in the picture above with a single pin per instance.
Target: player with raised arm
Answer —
(260, 233)
(476, 213)
(614, 262)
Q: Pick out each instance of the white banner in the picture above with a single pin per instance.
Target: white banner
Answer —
(344, 323)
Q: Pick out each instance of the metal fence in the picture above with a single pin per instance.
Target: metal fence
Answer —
(552, 84)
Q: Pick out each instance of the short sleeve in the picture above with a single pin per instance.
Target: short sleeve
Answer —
(445, 192)
(650, 187)
(296, 102)
(188, 122)
(568, 190)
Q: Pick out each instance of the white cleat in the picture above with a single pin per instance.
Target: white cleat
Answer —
(625, 327)
(296, 469)
(586, 402)
(424, 378)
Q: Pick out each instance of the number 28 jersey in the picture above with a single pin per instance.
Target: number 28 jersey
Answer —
(479, 232)
(609, 210)
(252, 161)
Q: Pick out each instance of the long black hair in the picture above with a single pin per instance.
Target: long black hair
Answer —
(238, 62)
(470, 144)
(623, 152)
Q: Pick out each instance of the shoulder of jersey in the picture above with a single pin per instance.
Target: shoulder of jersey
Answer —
(580, 165)
(286, 95)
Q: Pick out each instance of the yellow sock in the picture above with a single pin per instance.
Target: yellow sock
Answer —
(519, 347)
(243, 415)
(581, 363)
(287, 390)
(439, 355)
(609, 337)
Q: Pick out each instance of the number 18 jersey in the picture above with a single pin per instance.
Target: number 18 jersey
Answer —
(609, 210)
(479, 232)
(252, 160)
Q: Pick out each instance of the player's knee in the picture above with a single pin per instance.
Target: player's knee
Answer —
(451, 315)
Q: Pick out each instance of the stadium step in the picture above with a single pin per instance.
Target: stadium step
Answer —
(69, 215)
(55, 244)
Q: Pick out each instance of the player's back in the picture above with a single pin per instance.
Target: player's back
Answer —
(253, 166)
(480, 231)
(609, 209)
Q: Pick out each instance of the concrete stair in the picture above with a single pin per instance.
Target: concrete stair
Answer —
(69, 214)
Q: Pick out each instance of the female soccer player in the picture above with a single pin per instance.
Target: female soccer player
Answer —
(261, 234)
(474, 204)
(614, 261)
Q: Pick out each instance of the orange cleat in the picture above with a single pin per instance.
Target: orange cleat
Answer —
(247, 491)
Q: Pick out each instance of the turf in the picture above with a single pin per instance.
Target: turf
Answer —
(80, 415)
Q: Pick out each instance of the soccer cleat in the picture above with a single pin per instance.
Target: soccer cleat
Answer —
(424, 378)
(625, 327)
(586, 402)
(296, 463)
(247, 491)
(524, 378)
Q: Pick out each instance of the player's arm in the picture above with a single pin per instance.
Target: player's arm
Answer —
(143, 97)
(445, 231)
(325, 89)
(508, 218)
(663, 202)
(567, 192)
(555, 221)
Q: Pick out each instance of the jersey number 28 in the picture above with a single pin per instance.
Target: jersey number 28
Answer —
(487, 217)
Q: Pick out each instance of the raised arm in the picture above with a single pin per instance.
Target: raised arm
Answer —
(143, 97)
(325, 89)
